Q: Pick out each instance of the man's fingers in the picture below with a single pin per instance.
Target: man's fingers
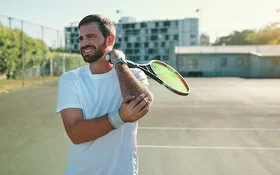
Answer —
(137, 99)
(145, 109)
(141, 104)
(128, 99)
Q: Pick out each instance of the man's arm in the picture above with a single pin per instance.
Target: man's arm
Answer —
(131, 86)
(80, 130)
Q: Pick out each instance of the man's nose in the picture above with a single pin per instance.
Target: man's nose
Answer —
(84, 42)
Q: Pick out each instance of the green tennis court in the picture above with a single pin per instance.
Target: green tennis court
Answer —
(224, 126)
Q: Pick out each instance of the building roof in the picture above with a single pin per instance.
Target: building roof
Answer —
(260, 50)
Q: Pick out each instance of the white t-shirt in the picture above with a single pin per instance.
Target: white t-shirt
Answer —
(98, 94)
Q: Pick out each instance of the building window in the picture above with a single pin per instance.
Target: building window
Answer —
(68, 29)
(157, 24)
(143, 25)
(128, 51)
(154, 37)
(191, 63)
(128, 45)
(192, 36)
(165, 57)
(154, 31)
(117, 45)
(163, 30)
(131, 26)
(157, 57)
(125, 26)
(240, 61)
(188, 62)
(223, 62)
(151, 51)
(166, 23)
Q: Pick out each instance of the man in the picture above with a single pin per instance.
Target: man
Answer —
(101, 103)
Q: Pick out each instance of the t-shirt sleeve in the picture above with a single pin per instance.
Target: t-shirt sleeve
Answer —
(141, 76)
(67, 92)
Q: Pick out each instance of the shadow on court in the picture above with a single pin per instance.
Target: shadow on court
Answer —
(225, 126)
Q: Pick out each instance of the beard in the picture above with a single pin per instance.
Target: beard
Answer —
(98, 53)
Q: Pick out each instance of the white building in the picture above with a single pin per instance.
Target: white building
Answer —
(251, 61)
(146, 40)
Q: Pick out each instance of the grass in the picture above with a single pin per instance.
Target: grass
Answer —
(9, 85)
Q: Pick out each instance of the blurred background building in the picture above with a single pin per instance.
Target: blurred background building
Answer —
(146, 40)
(248, 61)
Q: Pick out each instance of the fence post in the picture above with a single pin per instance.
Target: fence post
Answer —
(22, 54)
(63, 63)
(43, 55)
(51, 67)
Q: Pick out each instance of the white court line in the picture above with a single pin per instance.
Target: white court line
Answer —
(209, 129)
(209, 147)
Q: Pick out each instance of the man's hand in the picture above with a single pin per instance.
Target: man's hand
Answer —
(134, 108)
(115, 54)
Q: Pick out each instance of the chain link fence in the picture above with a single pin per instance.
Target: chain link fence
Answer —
(31, 52)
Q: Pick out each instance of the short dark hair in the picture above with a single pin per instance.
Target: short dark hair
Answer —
(106, 26)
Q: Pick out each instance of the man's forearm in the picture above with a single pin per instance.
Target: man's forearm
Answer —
(88, 130)
(130, 85)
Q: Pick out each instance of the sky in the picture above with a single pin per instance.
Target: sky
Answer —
(216, 17)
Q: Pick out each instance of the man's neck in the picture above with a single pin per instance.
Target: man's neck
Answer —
(100, 66)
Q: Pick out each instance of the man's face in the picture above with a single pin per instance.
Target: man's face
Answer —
(92, 42)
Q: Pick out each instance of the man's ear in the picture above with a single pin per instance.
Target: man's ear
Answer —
(110, 40)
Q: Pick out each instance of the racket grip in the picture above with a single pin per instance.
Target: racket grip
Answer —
(108, 56)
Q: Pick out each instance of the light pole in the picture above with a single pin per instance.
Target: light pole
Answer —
(121, 30)
(10, 22)
(278, 11)
(199, 24)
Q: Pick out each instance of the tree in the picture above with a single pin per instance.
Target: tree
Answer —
(267, 35)
(245, 37)
(9, 51)
(270, 34)
(204, 40)
(35, 51)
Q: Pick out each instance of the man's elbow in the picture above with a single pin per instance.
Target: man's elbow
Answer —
(74, 139)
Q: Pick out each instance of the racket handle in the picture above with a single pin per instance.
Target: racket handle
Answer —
(108, 57)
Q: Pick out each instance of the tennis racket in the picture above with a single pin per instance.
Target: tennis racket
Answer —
(162, 73)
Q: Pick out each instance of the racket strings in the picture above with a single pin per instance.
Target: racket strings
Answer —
(168, 76)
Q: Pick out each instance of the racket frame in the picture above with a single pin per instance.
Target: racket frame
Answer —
(146, 68)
